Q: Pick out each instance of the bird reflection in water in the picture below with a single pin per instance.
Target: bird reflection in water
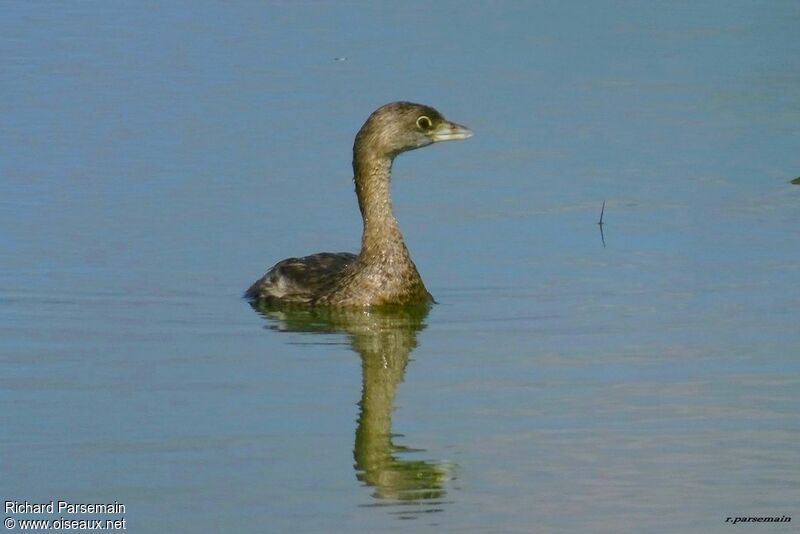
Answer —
(383, 338)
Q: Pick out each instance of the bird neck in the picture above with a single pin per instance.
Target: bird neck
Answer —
(381, 238)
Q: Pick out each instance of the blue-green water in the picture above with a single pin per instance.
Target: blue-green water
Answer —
(156, 158)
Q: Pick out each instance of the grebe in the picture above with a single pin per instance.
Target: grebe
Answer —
(383, 272)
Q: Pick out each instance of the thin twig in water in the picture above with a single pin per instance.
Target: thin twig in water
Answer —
(600, 224)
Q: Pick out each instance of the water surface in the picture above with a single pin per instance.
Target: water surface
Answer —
(156, 159)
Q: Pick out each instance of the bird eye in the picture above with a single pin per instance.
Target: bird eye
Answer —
(424, 123)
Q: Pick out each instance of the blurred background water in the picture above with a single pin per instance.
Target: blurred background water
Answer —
(156, 158)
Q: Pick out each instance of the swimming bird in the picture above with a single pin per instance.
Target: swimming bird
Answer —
(382, 273)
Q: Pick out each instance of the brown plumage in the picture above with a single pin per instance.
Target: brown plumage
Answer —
(383, 272)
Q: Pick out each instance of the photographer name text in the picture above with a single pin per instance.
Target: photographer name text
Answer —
(64, 507)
